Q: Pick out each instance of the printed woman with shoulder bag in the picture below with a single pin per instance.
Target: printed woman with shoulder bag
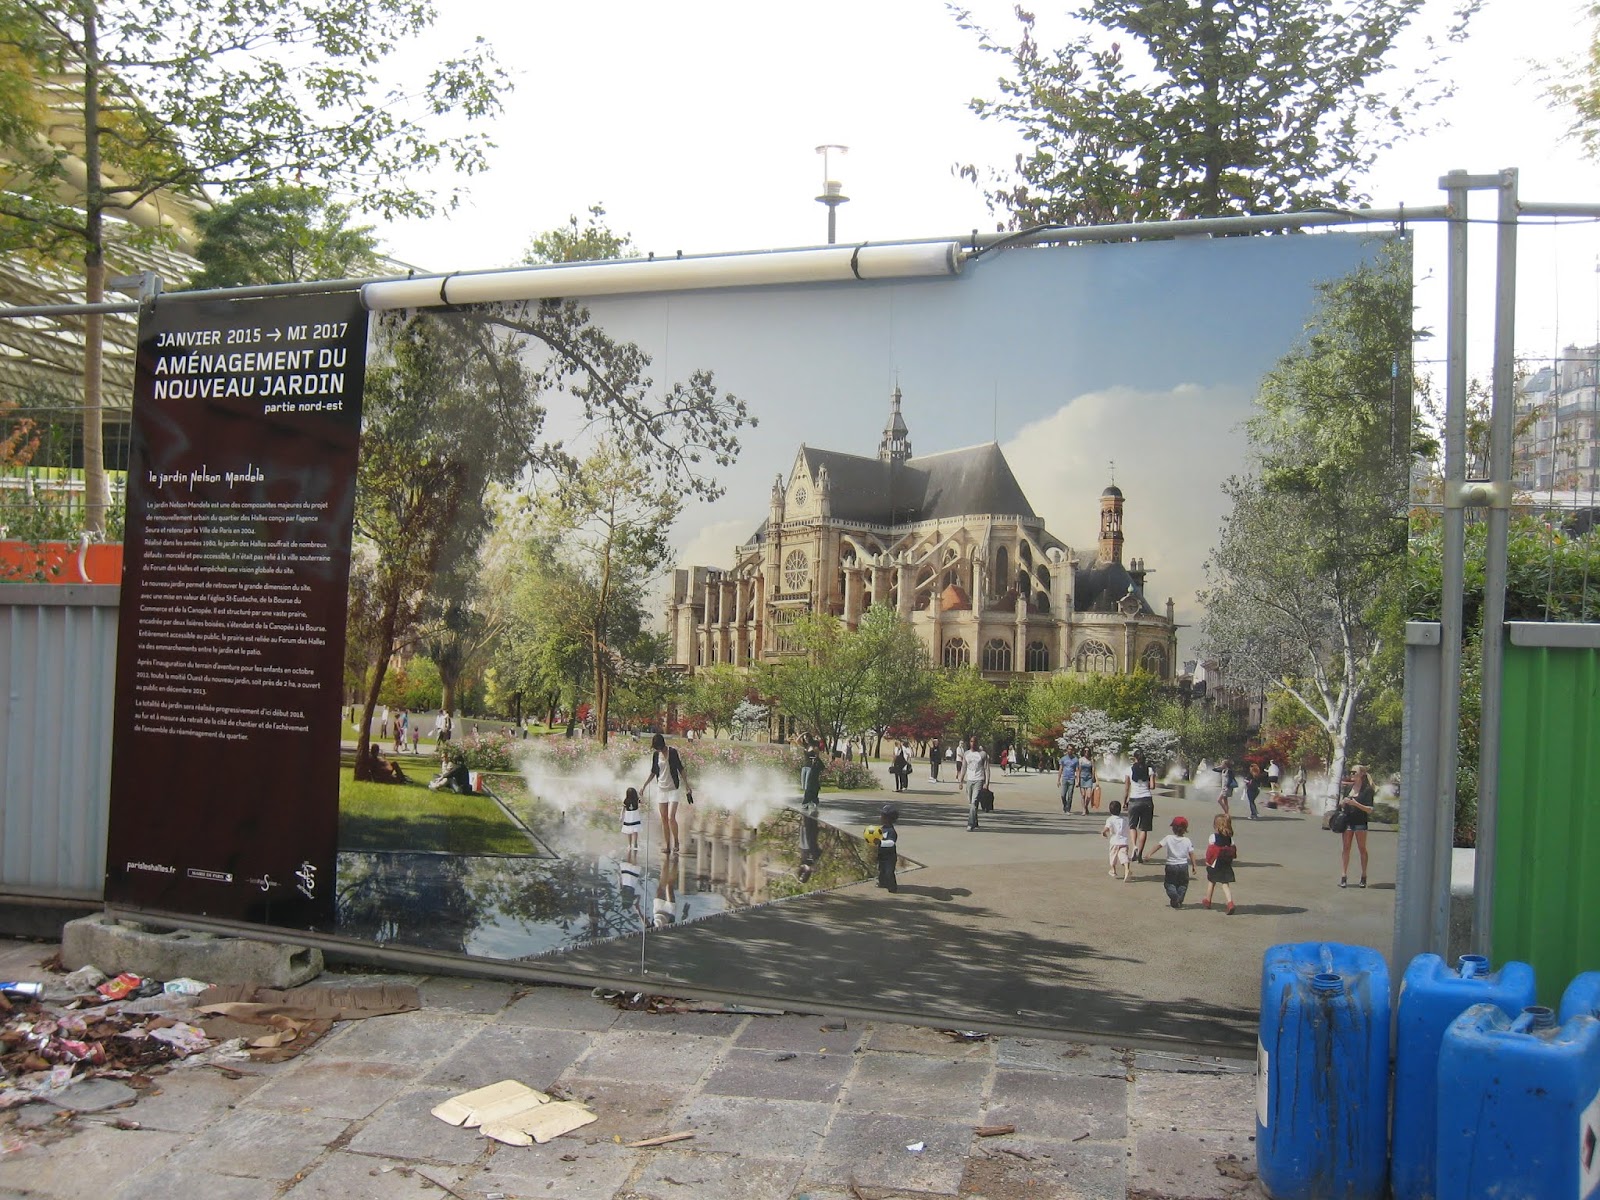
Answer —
(1356, 810)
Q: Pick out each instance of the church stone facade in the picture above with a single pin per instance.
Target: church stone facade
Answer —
(949, 542)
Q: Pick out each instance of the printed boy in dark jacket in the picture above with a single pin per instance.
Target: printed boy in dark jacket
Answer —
(888, 852)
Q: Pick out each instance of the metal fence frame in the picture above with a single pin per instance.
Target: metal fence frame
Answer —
(81, 778)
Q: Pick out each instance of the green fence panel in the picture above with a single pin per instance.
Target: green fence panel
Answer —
(1547, 859)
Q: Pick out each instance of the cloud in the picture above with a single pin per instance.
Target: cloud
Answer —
(1171, 449)
(713, 545)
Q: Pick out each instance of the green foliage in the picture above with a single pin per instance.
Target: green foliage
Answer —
(608, 520)
(853, 776)
(575, 242)
(1311, 553)
(1205, 733)
(1579, 91)
(975, 704)
(1130, 699)
(281, 234)
(899, 683)
(233, 94)
(19, 435)
(497, 751)
(826, 686)
(413, 685)
(715, 694)
(450, 407)
(851, 681)
(109, 109)
(1552, 574)
(1172, 108)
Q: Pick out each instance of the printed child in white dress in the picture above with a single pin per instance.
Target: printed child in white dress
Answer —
(1116, 828)
(632, 817)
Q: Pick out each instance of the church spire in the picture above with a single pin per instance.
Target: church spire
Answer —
(896, 444)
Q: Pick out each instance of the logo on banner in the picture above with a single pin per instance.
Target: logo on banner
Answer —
(265, 882)
(210, 876)
(158, 868)
(307, 875)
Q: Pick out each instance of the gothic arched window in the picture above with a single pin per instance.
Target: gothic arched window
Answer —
(956, 653)
(1038, 656)
(997, 655)
(1096, 658)
(1154, 660)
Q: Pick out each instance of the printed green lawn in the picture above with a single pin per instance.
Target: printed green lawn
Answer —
(407, 816)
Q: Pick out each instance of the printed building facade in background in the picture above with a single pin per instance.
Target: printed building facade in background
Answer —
(1557, 442)
(950, 542)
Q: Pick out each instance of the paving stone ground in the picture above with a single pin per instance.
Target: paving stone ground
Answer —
(792, 1107)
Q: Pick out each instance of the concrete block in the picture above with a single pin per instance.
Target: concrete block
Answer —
(118, 945)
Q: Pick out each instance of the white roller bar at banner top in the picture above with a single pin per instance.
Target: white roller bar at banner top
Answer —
(834, 264)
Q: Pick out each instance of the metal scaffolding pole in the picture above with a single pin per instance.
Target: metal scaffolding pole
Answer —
(1456, 185)
(1498, 498)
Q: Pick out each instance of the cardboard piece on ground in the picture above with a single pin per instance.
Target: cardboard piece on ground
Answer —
(457, 1109)
(313, 1003)
(505, 1111)
(539, 1124)
(221, 1028)
(467, 1108)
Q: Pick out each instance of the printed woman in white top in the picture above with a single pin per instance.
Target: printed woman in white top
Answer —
(666, 771)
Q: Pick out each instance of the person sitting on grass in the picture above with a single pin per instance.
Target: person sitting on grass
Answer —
(379, 770)
(453, 777)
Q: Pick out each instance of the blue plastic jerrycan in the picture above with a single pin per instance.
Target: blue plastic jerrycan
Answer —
(1322, 1091)
(1582, 998)
(1432, 995)
(1519, 1106)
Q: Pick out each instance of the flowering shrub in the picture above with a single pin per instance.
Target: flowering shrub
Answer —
(496, 751)
(851, 776)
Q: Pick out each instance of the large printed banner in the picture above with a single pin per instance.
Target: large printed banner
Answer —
(224, 786)
(1110, 485)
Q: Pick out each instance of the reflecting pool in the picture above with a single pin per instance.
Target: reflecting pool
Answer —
(580, 883)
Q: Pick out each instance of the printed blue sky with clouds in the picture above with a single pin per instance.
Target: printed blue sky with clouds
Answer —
(1146, 356)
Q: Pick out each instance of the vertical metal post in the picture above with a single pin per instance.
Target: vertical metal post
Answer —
(1456, 185)
(1501, 422)
(1421, 902)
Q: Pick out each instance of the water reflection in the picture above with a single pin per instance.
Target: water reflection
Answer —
(572, 889)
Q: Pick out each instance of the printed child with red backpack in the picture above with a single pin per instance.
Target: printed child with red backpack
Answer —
(1220, 853)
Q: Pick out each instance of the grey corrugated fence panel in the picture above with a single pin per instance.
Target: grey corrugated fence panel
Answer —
(58, 651)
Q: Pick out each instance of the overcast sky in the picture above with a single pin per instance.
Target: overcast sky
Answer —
(695, 124)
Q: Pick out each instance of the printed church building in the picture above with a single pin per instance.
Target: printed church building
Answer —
(947, 540)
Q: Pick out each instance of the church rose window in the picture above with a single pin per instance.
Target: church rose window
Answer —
(796, 571)
(956, 653)
(1096, 658)
(997, 655)
(1038, 656)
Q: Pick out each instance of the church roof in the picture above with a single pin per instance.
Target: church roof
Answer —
(1100, 587)
(976, 481)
